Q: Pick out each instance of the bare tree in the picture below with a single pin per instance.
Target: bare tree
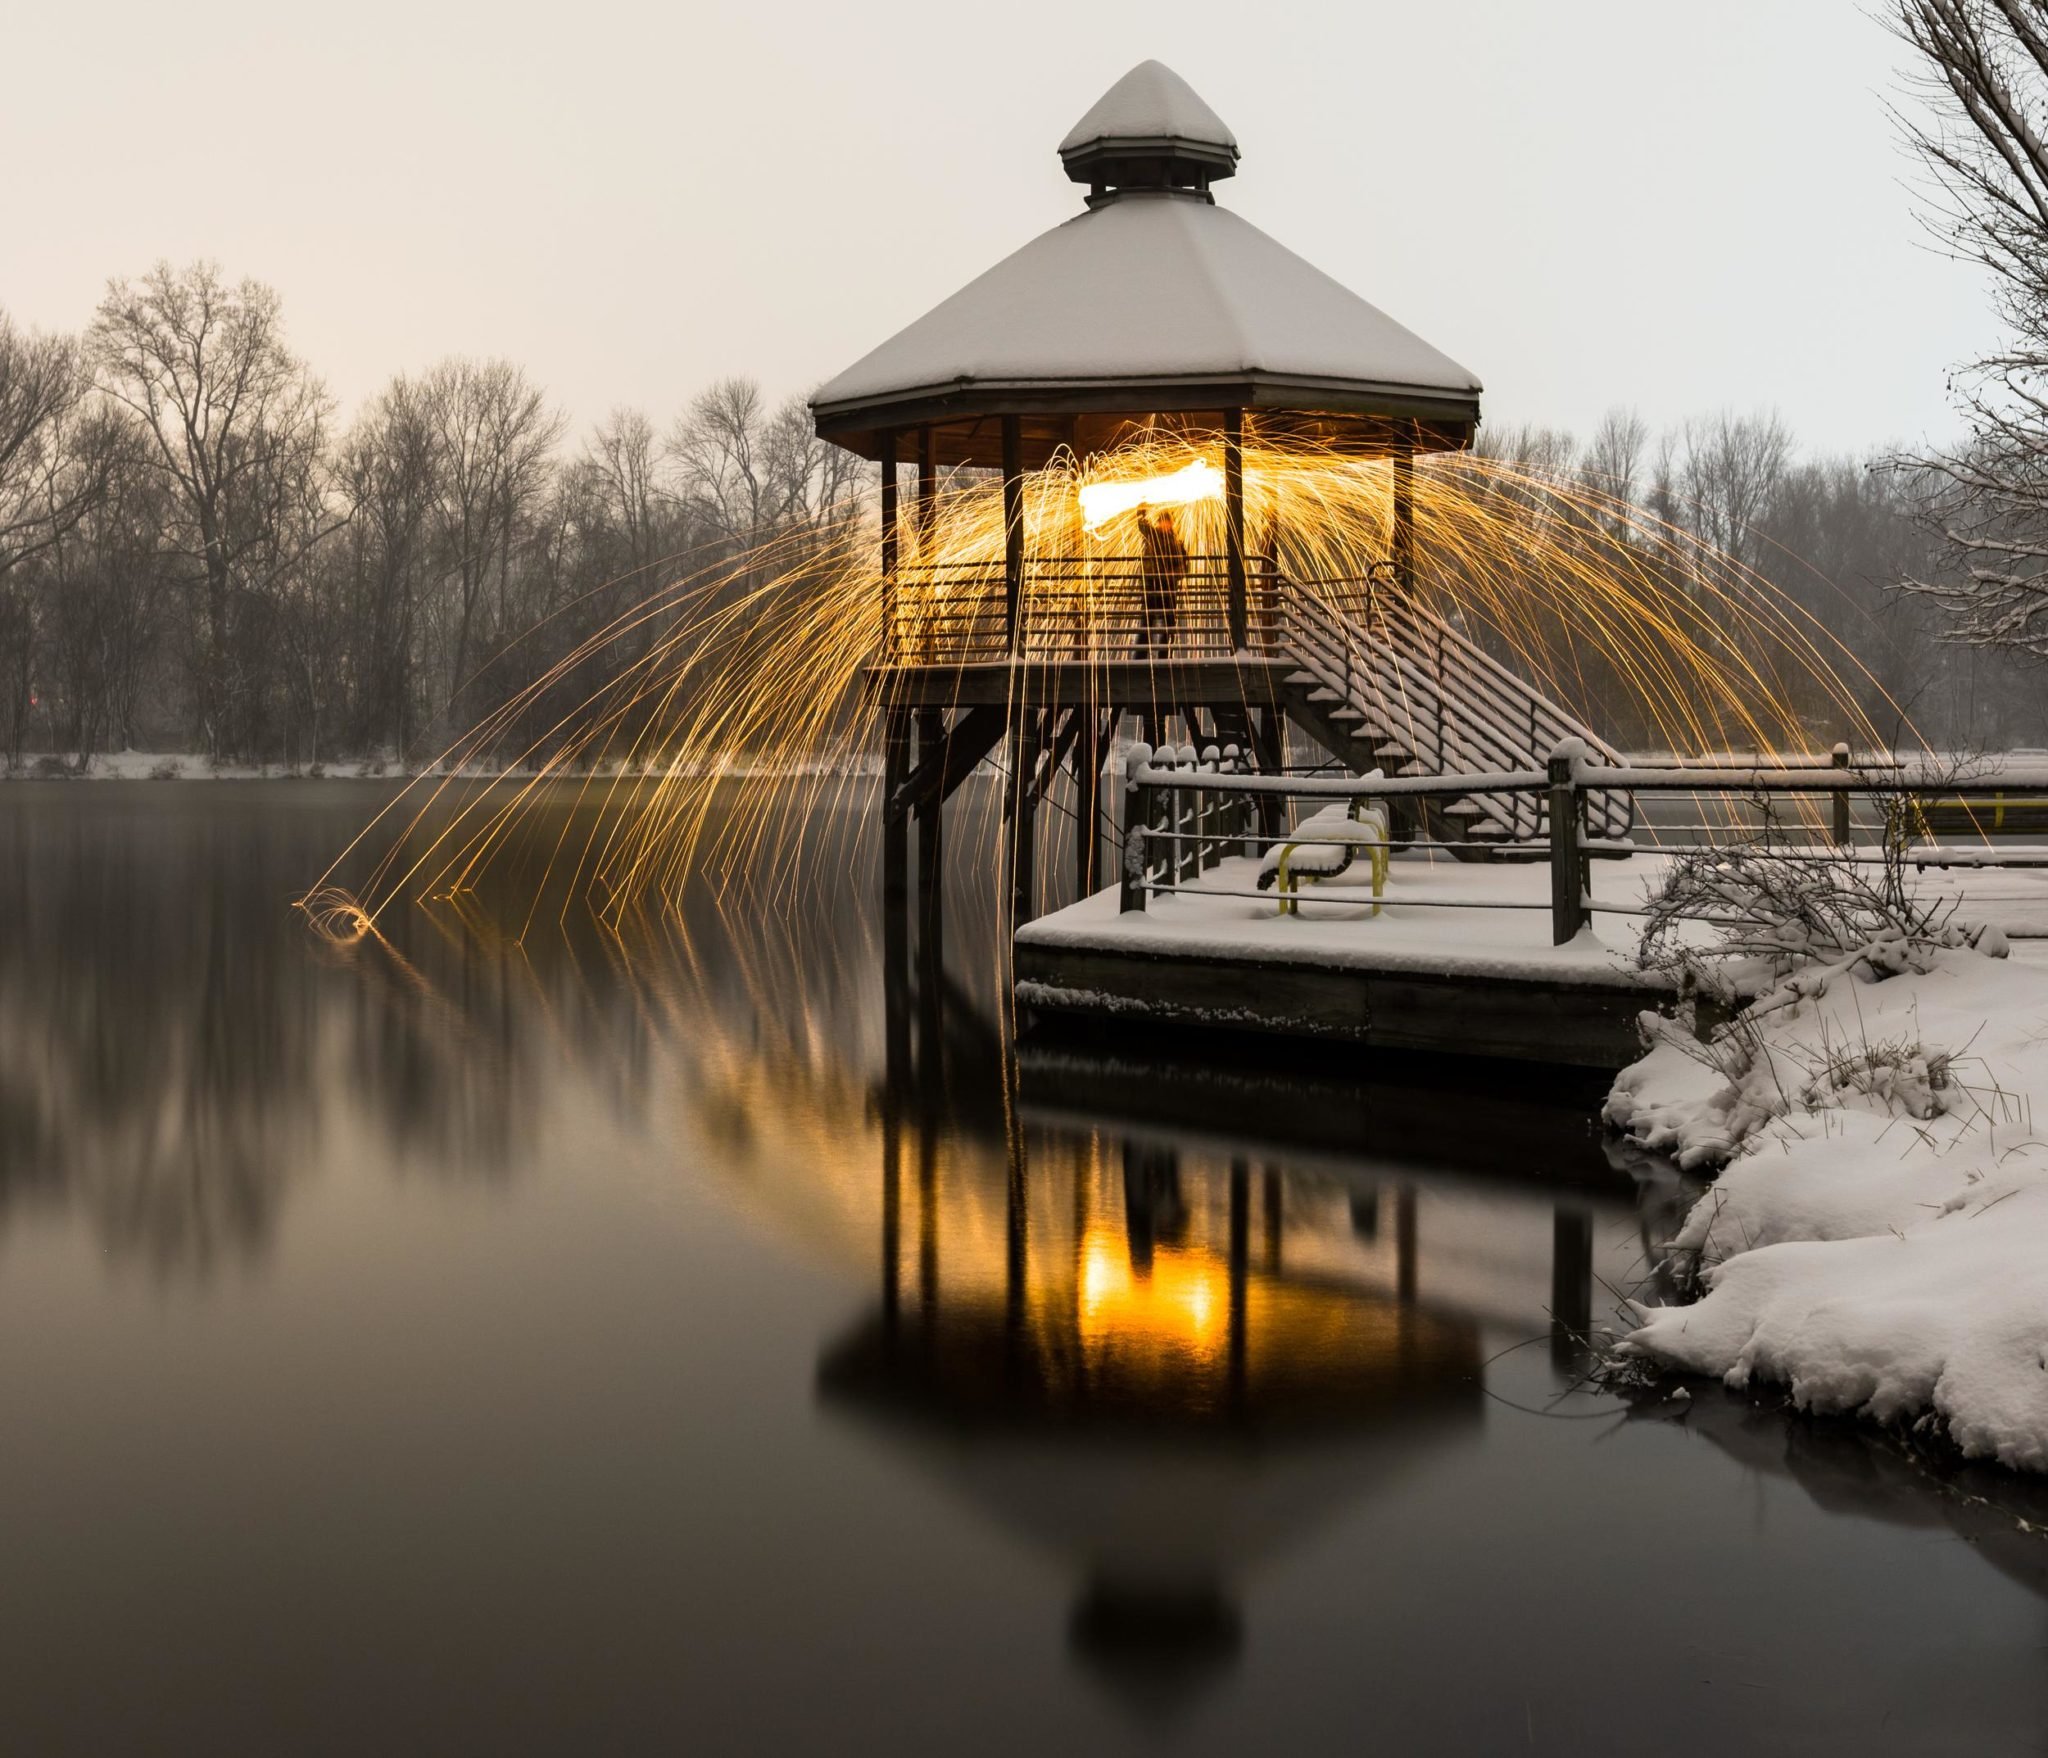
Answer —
(623, 459)
(1612, 462)
(1730, 466)
(101, 583)
(390, 477)
(41, 383)
(495, 434)
(717, 451)
(46, 486)
(1984, 66)
(237, 429)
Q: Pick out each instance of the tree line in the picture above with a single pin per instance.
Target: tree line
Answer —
(1854, 545)
(193, 550)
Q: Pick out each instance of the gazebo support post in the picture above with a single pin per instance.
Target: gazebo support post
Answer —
(927, 494)
(1013, 527)
(885, 446)
(931, 737)
(896, 735)
(1233, 520)
(1404, 513)
(1024, 749)
(896, 753)
(1269, 754)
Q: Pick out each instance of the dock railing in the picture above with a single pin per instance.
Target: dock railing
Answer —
(1185, 810)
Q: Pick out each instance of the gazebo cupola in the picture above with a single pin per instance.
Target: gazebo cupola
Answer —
(1149, 133)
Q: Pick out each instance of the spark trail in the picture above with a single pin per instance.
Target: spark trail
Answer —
(730, 702)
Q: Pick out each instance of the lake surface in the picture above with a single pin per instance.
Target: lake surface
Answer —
(655, 1342)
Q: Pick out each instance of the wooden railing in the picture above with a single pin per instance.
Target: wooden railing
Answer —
(1184, 812)
(1091, 608)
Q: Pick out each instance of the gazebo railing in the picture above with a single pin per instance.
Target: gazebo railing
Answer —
(1093, 609)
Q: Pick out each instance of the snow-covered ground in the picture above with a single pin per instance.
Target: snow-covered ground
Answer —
(1877, 1240)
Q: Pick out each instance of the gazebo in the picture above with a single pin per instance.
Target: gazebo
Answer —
(1154, 309)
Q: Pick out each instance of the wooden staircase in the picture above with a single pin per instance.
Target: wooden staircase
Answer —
(1380, 682)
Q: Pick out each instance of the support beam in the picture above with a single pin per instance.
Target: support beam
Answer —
(896, 732)
(931, 867)
(1269, 752)
(1088, 760)
(1061, 731)
(1013, 528)
(1024, 748)
(1233, 521)
(895, 1010)
(943, 766)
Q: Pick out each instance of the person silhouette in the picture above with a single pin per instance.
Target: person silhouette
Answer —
(1165, 566)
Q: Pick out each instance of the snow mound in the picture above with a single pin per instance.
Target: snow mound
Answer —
(1878, 1238)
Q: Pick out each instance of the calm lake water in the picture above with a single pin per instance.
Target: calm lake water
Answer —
(454, 1345)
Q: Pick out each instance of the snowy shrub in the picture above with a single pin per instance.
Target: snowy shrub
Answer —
(1784, 908)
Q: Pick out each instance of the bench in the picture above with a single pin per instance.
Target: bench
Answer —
(1324, 845)
(1982, 812)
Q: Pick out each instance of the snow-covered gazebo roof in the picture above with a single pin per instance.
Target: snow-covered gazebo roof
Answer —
(1154, 301)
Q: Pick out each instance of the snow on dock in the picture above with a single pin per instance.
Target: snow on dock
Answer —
(1459, 959)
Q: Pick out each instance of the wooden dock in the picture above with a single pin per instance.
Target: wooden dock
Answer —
(1458, 962)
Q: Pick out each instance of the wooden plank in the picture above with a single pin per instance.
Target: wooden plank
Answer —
(1232, 682)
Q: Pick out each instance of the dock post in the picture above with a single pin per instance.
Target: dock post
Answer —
(1568, 912)
(1214, 806)
(1131, 882)
(1841, 826)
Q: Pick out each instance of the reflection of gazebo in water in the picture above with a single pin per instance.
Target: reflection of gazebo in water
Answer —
(1143, 1385)
(1158, 312)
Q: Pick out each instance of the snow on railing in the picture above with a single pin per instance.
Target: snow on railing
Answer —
(1195, 807)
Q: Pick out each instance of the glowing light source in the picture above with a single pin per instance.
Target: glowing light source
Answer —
(1104, 501)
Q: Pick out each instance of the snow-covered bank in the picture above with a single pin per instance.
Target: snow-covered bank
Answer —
(1878, 1238)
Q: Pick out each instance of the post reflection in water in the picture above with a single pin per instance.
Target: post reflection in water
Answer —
(1173, 1360)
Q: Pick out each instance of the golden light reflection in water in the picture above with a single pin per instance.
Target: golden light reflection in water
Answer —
(1179, 1301)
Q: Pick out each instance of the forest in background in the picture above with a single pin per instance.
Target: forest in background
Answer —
(198, 554)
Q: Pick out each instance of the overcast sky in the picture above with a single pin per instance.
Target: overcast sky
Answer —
(1677, 206)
